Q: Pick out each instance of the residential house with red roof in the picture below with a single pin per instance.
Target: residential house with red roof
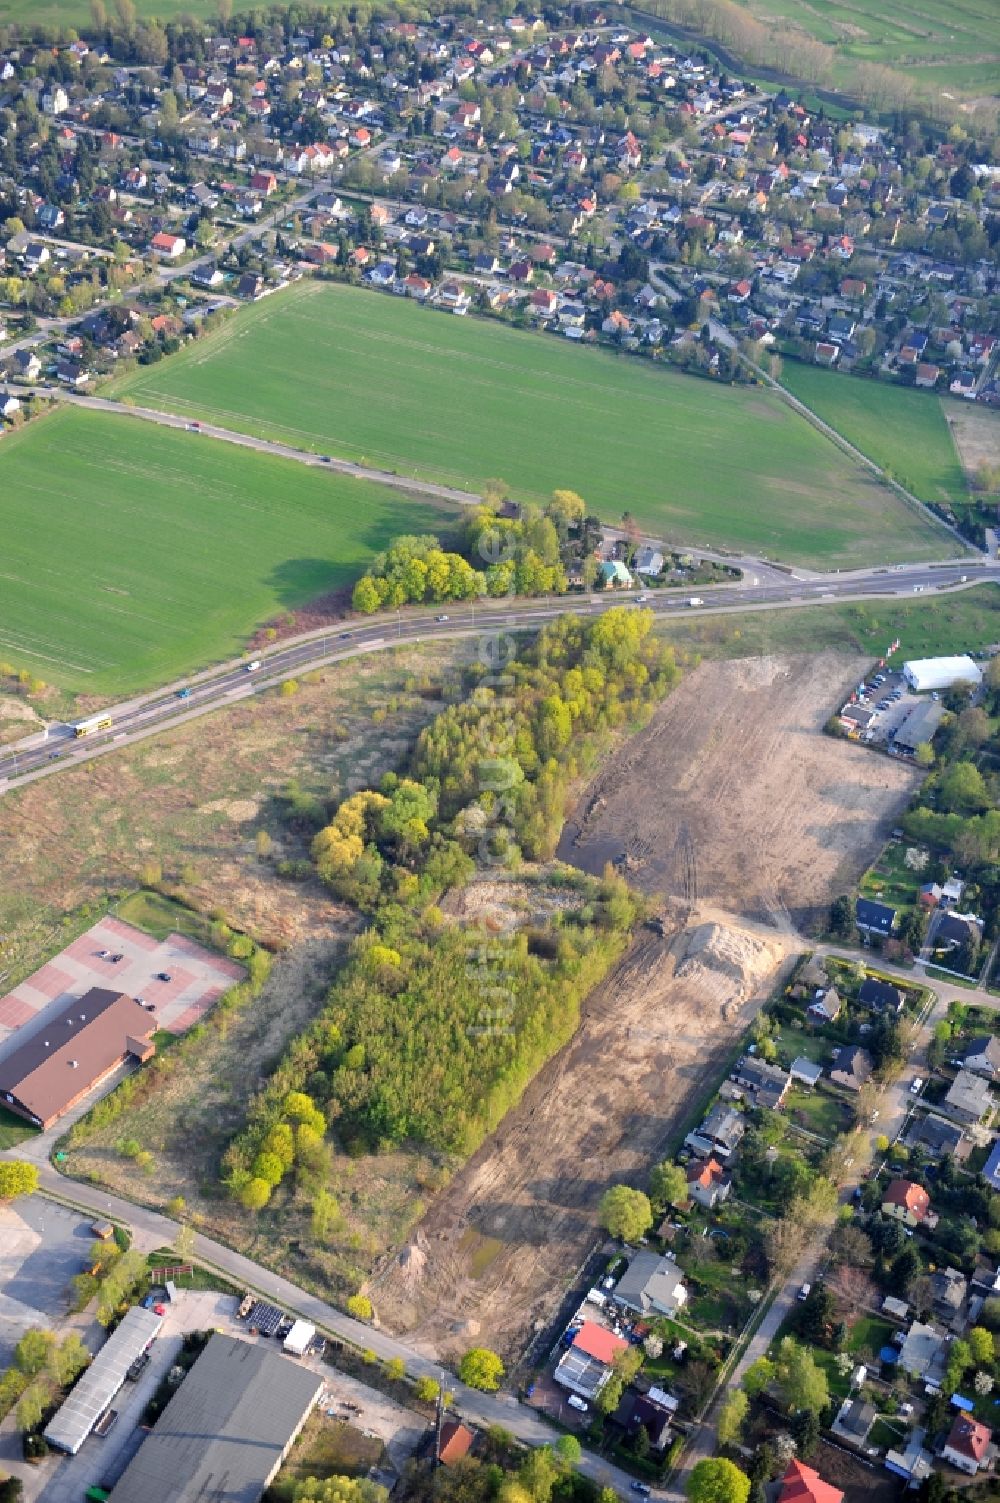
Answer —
(906, 1202)
(803, 1484)
(969, 1445)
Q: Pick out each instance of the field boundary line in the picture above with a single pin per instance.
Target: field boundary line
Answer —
(852, 450)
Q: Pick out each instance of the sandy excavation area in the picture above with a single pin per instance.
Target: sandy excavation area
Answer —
(500, 1244)
(735, 806)
(733, 794)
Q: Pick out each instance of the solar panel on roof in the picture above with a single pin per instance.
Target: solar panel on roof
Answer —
(265, 1318)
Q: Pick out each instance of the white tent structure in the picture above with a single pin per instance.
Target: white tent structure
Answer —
(925, 674)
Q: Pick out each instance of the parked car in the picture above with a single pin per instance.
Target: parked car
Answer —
(916, 1085)
(804, 1292)
(575, 1402)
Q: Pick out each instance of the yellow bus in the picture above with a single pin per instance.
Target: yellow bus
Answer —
(95, 723)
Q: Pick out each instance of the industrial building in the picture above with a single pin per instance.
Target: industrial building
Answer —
(226, 1430)
(925, 674)
(89, 1399)
(919, 726)
(73, 1051)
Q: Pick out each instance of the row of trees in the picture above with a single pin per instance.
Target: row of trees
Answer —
(42, 1367)
(413, 570)
(432, 1030)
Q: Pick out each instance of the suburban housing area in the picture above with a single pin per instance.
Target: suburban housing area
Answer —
(499, 753)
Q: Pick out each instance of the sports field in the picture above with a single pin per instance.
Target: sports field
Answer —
(405, 388)
(951, 47)
(133, 553)
(902, 429)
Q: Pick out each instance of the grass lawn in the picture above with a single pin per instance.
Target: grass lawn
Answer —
(901, 428)
(459, 400)
(890, 880)
(160, 916)
(868, 1333)
(793, 1041)
(14, 1130)
(817, 1112)
(963, 622)
(133, 553)
(326, 1448)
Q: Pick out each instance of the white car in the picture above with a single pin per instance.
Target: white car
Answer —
(916, 1085)
(575, 1402)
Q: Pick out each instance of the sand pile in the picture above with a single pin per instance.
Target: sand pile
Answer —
(724, 964)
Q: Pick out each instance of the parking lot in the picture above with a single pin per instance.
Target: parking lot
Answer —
(42, 1246)
(197, 978)
(890, 700)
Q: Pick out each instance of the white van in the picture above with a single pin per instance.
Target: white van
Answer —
(252, 667)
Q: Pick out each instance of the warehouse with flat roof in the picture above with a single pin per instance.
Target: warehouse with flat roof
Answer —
(72, 1052)
(76, 1417)
(924, 674)
(226, 1430)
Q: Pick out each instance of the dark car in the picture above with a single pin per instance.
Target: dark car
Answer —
(325, 458)
(183, 693)
(137, 1367)
(163, 976)
(641, 1487)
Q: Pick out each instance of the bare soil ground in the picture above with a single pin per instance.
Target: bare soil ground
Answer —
(731, 802)
(733, 794)
(193, 801)
(505, 1238)
(976, 431)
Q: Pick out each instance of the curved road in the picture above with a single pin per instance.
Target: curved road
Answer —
(763, 587)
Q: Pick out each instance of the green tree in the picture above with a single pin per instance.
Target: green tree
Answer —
(35, 1352)
(758, 1375)
(569, 1450)
(17, 1178)
(360, 1307)
(732, 1417)
(70, 1359)
(395, 1369)
(255, 1194)
(981, 1344)
(626, 1213)
(668, 1184)
(803, 1382)
(426, 1389)
(481, 1368)
(716, 1480)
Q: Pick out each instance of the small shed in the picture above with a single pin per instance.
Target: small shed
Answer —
(299, 1337)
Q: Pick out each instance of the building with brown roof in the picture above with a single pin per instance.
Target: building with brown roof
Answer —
(72, 1052)
(906, 1202)
(456, 1441)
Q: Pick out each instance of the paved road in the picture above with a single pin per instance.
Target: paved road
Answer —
(894, 1112)
(762, 587)
(155, 1230)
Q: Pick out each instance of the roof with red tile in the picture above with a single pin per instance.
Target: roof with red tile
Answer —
(597, 1342)
(801, 1484)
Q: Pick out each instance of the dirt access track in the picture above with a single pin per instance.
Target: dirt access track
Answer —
(743, 814)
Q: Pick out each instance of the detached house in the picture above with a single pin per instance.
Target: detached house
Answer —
(168, 247)
(881, 996)
(825, 1006)
(969, 1445)
(851, 1067)
(969, 1098)
(766, 1085)
(707, 1183)
(982, 1057)
(906, 1202)
(652, 1285)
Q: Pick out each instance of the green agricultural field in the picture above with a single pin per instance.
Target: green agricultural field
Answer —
(78, 14)
(459, 400)
(943, 48)
(133, 553)
(900, 428)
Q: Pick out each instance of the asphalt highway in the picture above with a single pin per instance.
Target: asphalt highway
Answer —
(763, 587)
